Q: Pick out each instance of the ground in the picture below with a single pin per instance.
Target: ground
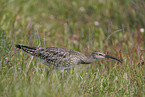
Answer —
(114, 27)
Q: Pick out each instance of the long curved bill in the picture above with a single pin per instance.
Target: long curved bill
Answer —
(107, 56)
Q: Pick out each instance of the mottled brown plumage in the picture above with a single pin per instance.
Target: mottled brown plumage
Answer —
(62, 58)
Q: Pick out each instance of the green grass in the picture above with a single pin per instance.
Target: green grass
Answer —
(70, 24)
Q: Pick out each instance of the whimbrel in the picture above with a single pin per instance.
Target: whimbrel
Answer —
(62, 58)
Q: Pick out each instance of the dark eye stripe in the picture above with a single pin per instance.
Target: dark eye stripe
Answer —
(100, 54)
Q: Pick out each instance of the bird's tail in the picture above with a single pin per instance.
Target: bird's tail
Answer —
(28, 49)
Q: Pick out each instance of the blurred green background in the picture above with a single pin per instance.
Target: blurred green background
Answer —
(114, 27)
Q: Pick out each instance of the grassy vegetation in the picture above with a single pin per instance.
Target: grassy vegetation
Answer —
(82, 25)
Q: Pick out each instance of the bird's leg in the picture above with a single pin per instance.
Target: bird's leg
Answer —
(61, 71)
(48, 76)
(49, 72)
(62, 75)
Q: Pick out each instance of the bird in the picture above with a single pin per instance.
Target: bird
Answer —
(62, 58)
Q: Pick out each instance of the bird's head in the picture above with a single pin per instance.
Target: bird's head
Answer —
(98, 55)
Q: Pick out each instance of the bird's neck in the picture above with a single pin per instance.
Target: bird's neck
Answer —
(88, 60)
